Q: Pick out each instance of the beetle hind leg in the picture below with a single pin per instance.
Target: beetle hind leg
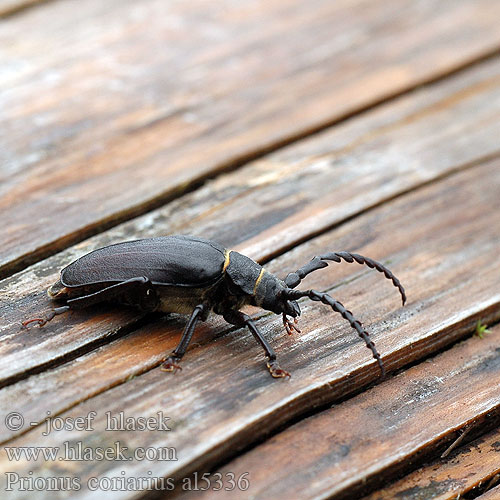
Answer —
(137, 291)
(48, 317)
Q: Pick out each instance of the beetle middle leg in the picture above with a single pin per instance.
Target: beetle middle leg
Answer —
(238, 318)
(171, 364)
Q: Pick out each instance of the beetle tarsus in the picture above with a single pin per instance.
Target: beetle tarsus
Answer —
(276, 371)
(170, 365)
(48, 317)
(41, 322)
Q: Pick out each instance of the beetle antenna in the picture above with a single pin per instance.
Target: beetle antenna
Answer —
(294, 279)
(346, 314)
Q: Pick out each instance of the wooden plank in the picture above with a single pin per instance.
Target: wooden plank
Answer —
(270, 205)
(342, 450)
(110, 109)
(492, 494)
(224, 399)
(11, 7)
(467, 469)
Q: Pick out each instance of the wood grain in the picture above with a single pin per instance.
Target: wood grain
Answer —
(467, 469)
(340, 451)
(492, 494)
(110, 109)
(426, 235)
(272, 204)
(11, 7)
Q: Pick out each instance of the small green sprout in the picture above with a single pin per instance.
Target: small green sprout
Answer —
(481, 329)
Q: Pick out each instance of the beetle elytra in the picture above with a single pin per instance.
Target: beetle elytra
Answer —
(191, 275)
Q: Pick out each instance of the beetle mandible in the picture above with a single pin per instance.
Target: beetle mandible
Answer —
(190, 275)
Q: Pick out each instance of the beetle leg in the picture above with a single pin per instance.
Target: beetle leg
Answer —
(137, 290)
(171, 363)
(45, 319)
(276, 371)
(241, 319)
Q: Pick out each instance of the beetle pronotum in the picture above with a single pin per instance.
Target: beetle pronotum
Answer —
(190, 275)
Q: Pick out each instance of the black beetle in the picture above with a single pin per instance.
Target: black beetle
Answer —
(190, 275)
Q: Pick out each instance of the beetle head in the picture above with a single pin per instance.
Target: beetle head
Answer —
(271, 294)
(246, 278)
(279, 304)
(290, 307)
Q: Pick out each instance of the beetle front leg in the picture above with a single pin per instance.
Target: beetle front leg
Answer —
(241, 319)
(171, 364)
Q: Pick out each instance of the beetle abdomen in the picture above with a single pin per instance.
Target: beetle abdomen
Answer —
(57, 290)
(183, 300)
(169, 260)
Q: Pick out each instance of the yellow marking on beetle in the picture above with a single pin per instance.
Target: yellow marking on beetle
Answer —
(226, 261)
(258, 280)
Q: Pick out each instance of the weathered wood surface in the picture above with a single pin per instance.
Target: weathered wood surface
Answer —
(338, 452)
(426, 235)
(272, 204)
(111, 108)
(493, 494)
(11, 7)
(470, 467)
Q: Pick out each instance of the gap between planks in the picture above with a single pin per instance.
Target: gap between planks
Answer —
(473, 94)
(229, 166)
(9, 8)
(99, 223)
(472, 191)
(472, 469)
(393, 428)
